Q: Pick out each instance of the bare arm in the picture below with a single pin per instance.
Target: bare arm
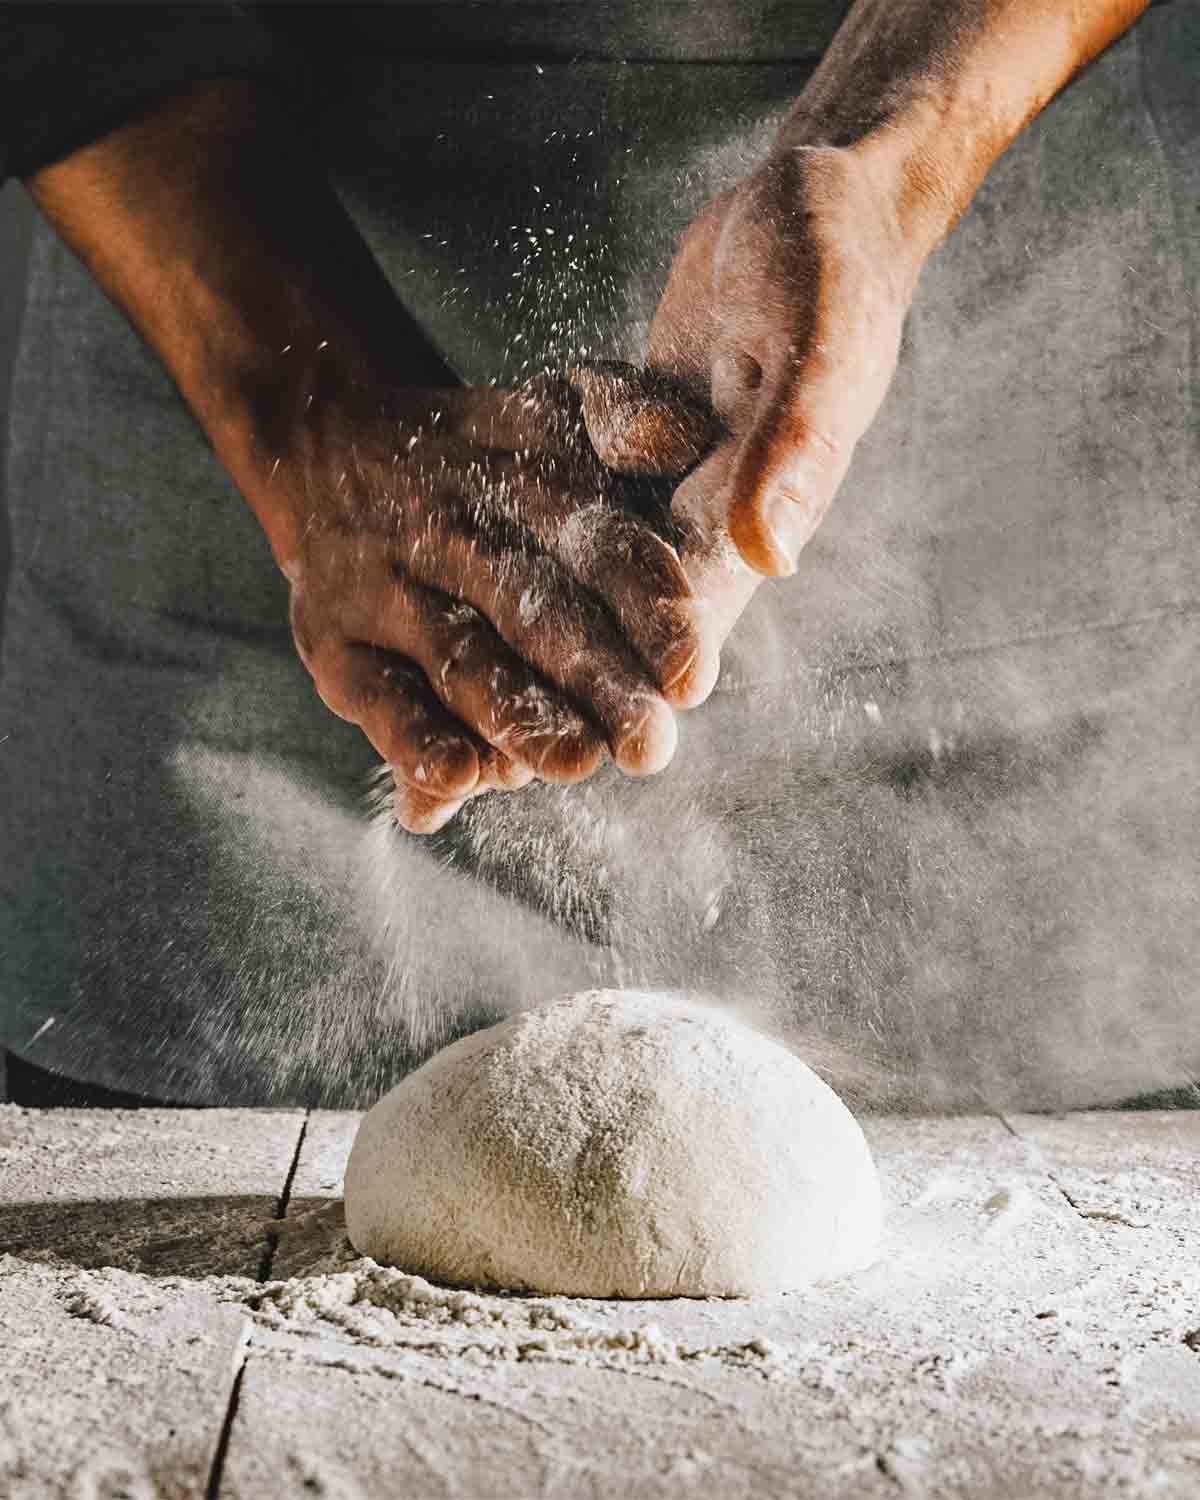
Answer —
(930, 92)
(206, 220)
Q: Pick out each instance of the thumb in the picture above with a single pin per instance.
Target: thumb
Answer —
(642, 422)
(786, 472)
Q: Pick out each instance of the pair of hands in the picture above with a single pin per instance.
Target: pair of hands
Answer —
(498, 585)
(474, 581)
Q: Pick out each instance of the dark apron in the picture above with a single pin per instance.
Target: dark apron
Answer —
(942, 811)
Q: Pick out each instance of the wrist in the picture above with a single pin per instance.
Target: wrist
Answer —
(928, 93)
(285, 416)
(918, 168)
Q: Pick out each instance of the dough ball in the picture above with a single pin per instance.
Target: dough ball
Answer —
(615, 1144)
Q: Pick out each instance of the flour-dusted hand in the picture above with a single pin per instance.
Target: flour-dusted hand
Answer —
(467, 588)
(464, 584)
(785, 304)
(784, 307)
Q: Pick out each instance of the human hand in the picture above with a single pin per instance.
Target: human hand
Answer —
(464, 585)
(786, 301)
(468, 588)
(784, 308)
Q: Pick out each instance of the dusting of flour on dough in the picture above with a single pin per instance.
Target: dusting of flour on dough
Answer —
(616, 1143)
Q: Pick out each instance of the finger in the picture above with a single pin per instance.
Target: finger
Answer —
(787, 471)
(564, 634)
(543, 415)
(639, 576)
(621, 559)
(720, 577)
(501, 771)
(516, 725)
(418, 812)
(421, 812)
(640, 421)
(391, 702)
(480, 681)
(799, 407)
(477, 546)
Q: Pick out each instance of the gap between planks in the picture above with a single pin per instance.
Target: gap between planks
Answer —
(216, 1473)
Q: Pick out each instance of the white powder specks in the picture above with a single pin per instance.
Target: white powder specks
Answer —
(378, 1306)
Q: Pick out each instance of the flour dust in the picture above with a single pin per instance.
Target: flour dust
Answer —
(952, 866)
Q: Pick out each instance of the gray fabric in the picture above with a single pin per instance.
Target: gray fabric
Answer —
(943, 809)
(16, 217)
(561, 30)
(68, 73)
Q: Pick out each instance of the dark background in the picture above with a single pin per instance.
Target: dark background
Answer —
(16, 215)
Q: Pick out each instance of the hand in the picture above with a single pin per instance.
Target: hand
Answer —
(785, 303)
(463, 585)
(467, 588)
(784, 307)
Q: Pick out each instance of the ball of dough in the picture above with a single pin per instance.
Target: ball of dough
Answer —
(615, 1144)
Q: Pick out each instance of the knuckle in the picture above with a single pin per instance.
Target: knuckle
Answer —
(304, 627)
(457, 644)
(661, 571)
(362, 698)
(582, 534)
(306, 644)
(460, 630)
(348, 695)
(413, 816)
(332, 694)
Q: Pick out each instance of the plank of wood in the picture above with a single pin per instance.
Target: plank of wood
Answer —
(1141, 1167)
(998, 1349)
(321, 1165)
(1161, 1145)
(114, 1383)
(376, 1432)
(164, 1192)
(110, 1385)
(312, 1236)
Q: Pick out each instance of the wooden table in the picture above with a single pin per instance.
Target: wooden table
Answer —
(1033, 1329)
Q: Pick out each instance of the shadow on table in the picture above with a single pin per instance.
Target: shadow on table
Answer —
(216, 1236)
(153, 1236)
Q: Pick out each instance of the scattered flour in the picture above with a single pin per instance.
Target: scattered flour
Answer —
(382, 1307)
(1033, 1328)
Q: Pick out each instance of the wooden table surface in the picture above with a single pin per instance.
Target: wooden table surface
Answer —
(1032, 1329)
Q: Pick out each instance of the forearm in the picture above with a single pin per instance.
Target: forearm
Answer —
(928, 93)
(209, 223)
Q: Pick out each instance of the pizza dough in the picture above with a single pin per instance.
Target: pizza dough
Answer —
(615, 1144)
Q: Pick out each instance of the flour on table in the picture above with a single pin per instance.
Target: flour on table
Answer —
(367, 1304)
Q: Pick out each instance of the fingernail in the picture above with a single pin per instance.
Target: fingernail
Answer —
(452, 770)
(505, 773)
(788, 525)
(569, 757)
(648, 742)
(690, 665)
(423, 817)
(678, 662)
